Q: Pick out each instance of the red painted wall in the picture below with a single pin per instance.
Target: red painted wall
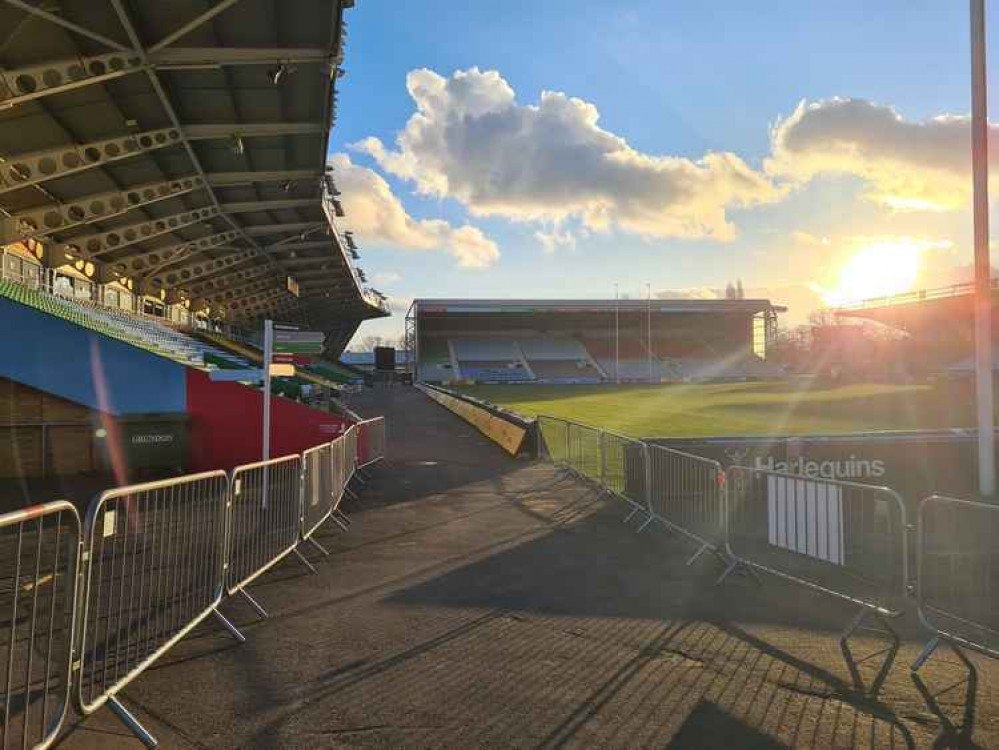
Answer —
(226, 425)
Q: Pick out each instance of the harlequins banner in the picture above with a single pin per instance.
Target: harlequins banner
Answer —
(916, 464)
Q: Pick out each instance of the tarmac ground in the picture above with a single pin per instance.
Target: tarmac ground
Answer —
(479, 600)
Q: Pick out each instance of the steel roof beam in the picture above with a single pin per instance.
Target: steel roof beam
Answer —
(219, 56)
(148, 263)
(263, 230)
(46, 220)
(101, 243)
(205, 131)
(69, 25)
(191, 25)
(294, 246)
(201, 269)
(224, 179)
(20, 170)
(272, 205)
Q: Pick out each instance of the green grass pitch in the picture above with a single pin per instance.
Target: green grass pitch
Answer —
(791, 407)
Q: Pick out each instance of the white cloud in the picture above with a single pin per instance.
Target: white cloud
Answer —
(386, 277)
(559, 237)
(470, 140)
(378, 218)
(906, 165)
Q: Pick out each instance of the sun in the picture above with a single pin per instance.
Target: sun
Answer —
(880, 269)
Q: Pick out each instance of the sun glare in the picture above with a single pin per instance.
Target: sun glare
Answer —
(877, 270)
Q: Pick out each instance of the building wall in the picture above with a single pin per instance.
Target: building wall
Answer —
(226, 424)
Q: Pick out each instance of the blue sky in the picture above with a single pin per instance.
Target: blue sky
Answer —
(671, 82)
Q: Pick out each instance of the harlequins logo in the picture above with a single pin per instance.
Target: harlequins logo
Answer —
(850, 468)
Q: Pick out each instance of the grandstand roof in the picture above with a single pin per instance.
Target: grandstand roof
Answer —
(481, 306)
(182, 146)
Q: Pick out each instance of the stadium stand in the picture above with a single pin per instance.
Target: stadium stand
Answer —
(591, 341)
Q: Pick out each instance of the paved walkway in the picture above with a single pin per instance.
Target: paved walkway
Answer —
(483, 601)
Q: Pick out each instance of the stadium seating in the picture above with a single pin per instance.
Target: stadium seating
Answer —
(559, 359)
(136, 330)
(495, 372)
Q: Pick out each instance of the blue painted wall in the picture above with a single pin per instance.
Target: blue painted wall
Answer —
(55, 356)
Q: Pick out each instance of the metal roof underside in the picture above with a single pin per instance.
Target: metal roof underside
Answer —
(182, 145)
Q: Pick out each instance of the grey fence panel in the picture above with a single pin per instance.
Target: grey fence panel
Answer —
(320, 485)
(553, 434)
(265, 519)
(686, 492)
(624, 468)
(350, 442)
(340, 454)
(39, 560)
(957, 578)
(584, 451)
(844, 539)
(372, 440)
(153, 570)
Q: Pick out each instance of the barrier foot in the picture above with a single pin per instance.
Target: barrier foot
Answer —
(701, 550)
(631, 515)
(645, 523)
(350, 493)
(852, 664)
(131, 722)
(736, 565)
(304, 560)
(233, 630)
(926, 653)
(363, 474)
(341, 520)
(318, 546)
(261, 612)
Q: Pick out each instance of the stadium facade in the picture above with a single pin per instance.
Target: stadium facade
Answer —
(590, 341)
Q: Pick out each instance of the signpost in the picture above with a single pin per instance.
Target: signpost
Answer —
(287, 341)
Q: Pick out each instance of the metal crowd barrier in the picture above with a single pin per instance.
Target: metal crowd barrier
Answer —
(686, 493)
(843, 539)
(321, 483)
(623, 470)
(583, 451)
(553, 439)
(40, 549)
(153, 569)
(957, 575)
(371, 441)
(264, 522)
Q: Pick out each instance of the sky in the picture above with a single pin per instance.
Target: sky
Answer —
(819, 152)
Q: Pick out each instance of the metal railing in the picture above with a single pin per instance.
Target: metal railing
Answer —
(957, 575)
(321, 481)
(623, 469)
(844, 539)
(40, 549)
(153, 569)
(371, 441)
(686, 492)
(265, 521)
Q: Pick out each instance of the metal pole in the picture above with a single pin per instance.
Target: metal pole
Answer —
(649, 312)
(265, 453)
(983, 293)
(617, 336)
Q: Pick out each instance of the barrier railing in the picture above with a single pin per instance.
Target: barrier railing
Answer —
(153, 570)
(623, 470)
(843, 539)
(553, 435)
(957, 575)
(264, 522)
(40, 549)
(371, 441)
(686, 492)
(321, 483)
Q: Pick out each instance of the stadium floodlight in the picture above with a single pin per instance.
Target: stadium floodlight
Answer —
(983, 270)
(278, 73)
(237, 145)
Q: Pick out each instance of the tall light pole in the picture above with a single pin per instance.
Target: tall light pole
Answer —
(983, 270)
(617, 337)
(648, 308)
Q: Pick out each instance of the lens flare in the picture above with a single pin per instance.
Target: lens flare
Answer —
(881, 269)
